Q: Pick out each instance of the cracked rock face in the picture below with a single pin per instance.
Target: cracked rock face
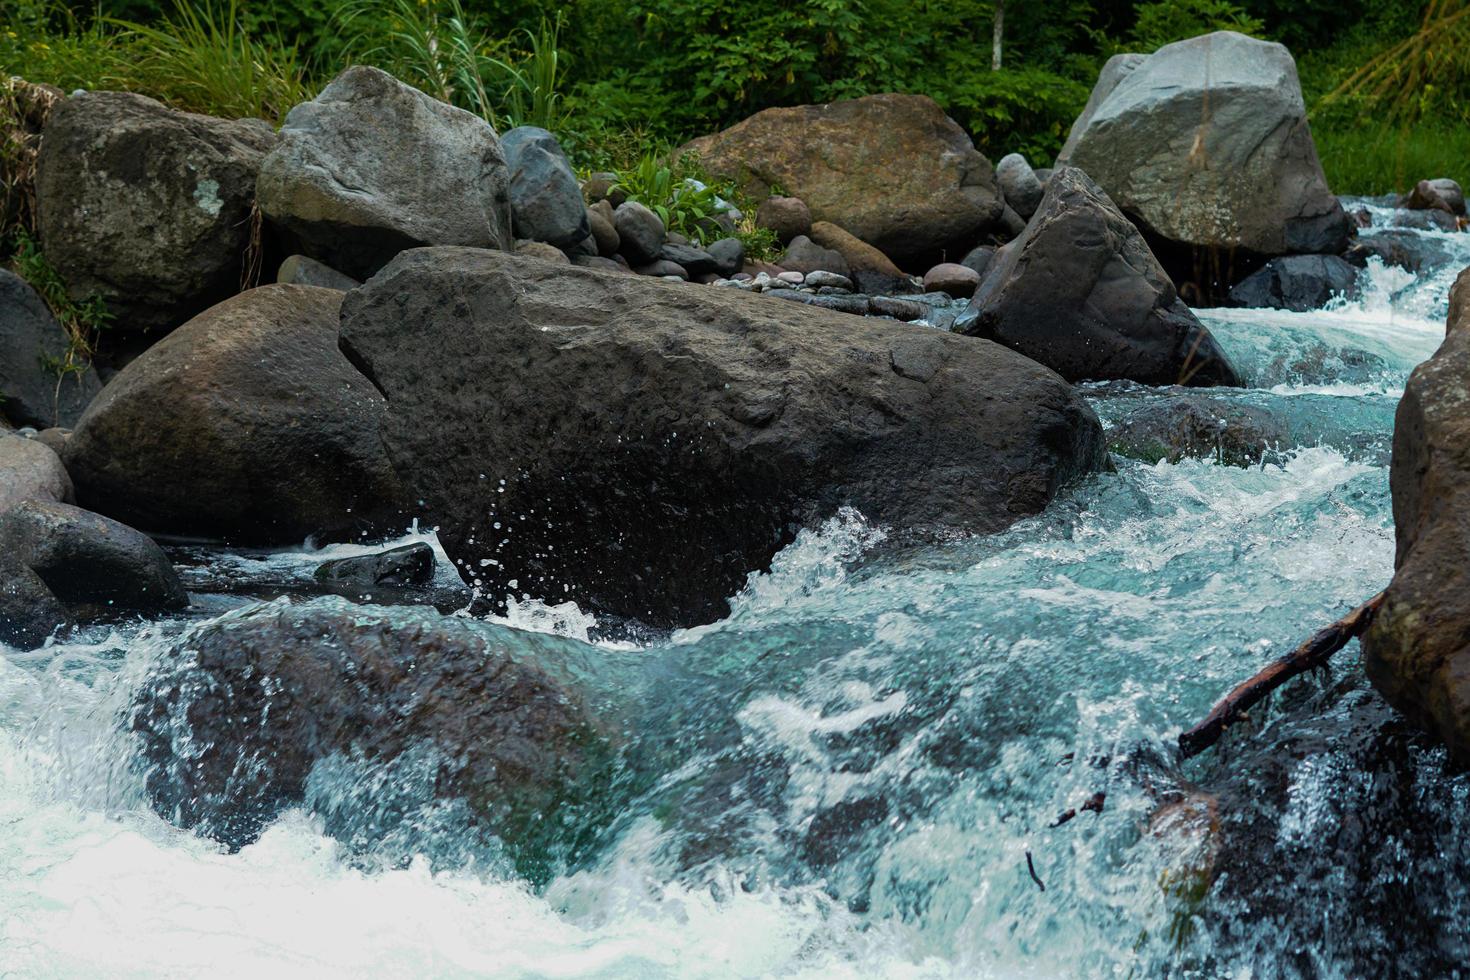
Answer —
(146, 207)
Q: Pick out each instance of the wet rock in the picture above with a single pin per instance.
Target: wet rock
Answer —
(1415, 651)
(1198, 427)
(36, 389)
(788, 217)
(640, 232)
(372, 166)
(952, 278)
(29, 613)
(804, 255)
(854, 305)
(411, 564)
(1297, 282)
(1426, 220)
(1442, 194)
(263, 695)
(723, 423)
(729, 255)
(604, 231)
(545, 199)
(271, 434)
(893, 170)
(1401, 248)
(30, 470)
(302, 270)
(146, 207)
(1082, 293)
(1261, 189)
(869, 269)
(1019, 184)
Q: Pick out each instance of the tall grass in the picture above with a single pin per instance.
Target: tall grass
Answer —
(1381, 156)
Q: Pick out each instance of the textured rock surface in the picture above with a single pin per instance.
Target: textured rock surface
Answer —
(30, 470)
(788, 217)
(245, 424)
(1297, 282)
(1080, 292)
(1417, 650)
(893, 170)
(302, 270)
(146, 207)
(1205, 143)
(614, 421)
(372, 166)
(545, 199)
(32, 346)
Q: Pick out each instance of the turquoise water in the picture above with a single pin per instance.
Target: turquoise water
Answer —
(846, 775)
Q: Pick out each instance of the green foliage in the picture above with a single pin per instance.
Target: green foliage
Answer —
(1026, 110)
(83, 322)
(677, 193)
(1425, 75)
(1166, 21)
(1383, 157)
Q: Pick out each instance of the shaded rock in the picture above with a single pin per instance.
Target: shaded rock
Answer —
(372, 166)
(600, 187)
(1428, 220)
(54, 439)
(30, 470)
(723, 422)
(270, 436)
(262, 695)
(1442, 194)
(302, 270)
(542, 251)
(412, 564)
(29, 613)
(978, 258)
(545, 199)
(788, 217)
(601, 264)
(868, 268)
(604, 231)
(806, 256)
(893, 170)
(1205, 144)
(1011, 224)
(1415, 651)
(694, 261)
(855, 305)
(906, 310)
(1297, 282)
(729, 255)
(84, 558)
(1081, 293)
(1198, 427)
(640, 232)
(1402, 248)
(31, 106)
(146, 207)
(663, 267)
(35, 388)
(952, 278)
(1019, 184)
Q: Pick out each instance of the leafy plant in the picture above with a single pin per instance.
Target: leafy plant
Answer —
(1166, 21)
(1421, 74)
(676, 193)
(83, 322)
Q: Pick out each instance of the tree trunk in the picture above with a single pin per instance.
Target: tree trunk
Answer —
(998, 34)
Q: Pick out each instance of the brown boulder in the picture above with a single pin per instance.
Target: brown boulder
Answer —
(871, 270)
(892, 169)
(788, 217)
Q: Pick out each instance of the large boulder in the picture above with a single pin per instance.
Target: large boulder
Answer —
(146, 207)
(1298, 283)
(1417, 649)
(235, 715)
(1205, 144)
(30, 470)
(1081, 292)
(615, 422)
(37, 387)
(245, 424)
(372, 166)
(893, 170)
(545, 199)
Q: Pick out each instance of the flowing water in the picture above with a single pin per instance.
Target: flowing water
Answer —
(858, 771)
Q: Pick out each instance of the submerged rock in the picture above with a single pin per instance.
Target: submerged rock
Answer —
(235, 716)
(1199, 427)
(245, 424)
(1297, 282)
(372, 166)
(643, 446)
(411, 564)
(147, 207)
(1081, 292)
(35, 387)
(1415, 650)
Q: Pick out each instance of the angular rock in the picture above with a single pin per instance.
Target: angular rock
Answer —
(1081, 293)
(262, 695)
(957, 280)
(1019, 184)
(301, 270)
(729, 255)
(604, 231)
(631, 418)
(1426, 220)
(84, 558)
(868, 267)
(1402, 248)
(30, 470)
(35, 387)
(146, 207)
(1114, 70)
(806, 256)
(788, 217)
(640, 231)
(1415, 651)
(1297, 282)
(545, 199)
(893, 170)
(1205, 144)
(372, 166)
(245, 424)
(412, 564)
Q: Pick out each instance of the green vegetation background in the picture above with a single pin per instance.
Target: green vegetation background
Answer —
(619, 79)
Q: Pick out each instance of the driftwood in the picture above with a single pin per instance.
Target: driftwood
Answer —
(1094, 804)
(1310, 655)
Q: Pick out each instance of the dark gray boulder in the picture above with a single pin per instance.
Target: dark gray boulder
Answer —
(1080, 292)
(622, 420)
(29, 613)
(1297, 282)
(146, 207)
(662, 267)
(978, 258)
(412, 564)
(30, 470)
(233, 718)
(1431, 219)
(545, 199)
(640, 232)
(372, 166)
(245, 424)
(729, 255)
(1019, 184)
(1442, 194)
(36, 389)
(693, 260)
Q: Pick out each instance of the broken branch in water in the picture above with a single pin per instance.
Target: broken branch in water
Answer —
(1310, 655)
(1094, 803)
(1032, 868)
